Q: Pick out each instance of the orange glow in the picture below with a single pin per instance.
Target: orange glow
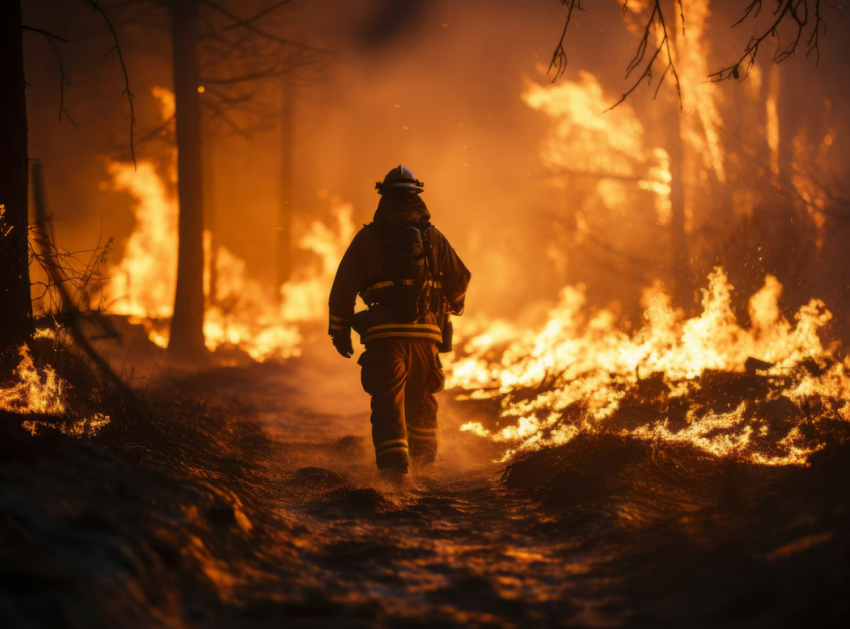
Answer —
(245, 314)
(587, 139)
(43, 392)
(772, 131)
(593, 365)
(142, 284)
(700, 119)
(305, 298)
(34, 392)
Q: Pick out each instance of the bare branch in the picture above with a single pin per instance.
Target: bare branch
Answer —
(814, 39)
(259, 74)
(62, 109)
(259, 15)
(682, 15)
(655, 18)
(754, 8)
(96, 6)
(795, 12)
(220, 113)
(159, 132)
(799, 13)
(45, 33)
(51, 262)
(559, 57)
(244, 24)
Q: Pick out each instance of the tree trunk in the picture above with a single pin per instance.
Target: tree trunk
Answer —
(791, 119)
(16, 322)
(187, 324)
(682, 285)
(284, 221)
(210, 222)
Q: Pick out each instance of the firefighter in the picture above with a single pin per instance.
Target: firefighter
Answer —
(412, 281)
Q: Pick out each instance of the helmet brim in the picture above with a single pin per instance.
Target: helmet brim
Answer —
(400, 186)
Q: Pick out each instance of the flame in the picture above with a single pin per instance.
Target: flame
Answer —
(581, 361)
(34, 392)
(244, 314)
(700, 120)
(580, 370)
(305, 297)
(142, 284)
(772, 131)
(588, 140)
(43, 393)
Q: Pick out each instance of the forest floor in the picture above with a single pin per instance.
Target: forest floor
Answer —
(264, 509)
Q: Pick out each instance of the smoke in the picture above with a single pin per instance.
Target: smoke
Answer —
(439, 86)
(391, 21)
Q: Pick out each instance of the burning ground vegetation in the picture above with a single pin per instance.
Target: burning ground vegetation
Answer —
(772, 393)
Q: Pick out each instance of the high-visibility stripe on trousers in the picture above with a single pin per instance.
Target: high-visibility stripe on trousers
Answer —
(403, 375)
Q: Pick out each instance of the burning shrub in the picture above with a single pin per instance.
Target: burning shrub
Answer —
(673, 380)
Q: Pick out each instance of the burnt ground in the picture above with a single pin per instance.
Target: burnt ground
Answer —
(255, 503)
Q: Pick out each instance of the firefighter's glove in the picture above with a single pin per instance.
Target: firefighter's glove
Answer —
(342, 342)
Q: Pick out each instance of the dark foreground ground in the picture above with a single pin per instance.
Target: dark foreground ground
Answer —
(257, 505)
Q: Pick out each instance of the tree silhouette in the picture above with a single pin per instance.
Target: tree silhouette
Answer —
(216, 56)
(16, 321)
(15, 307)
(803, 16)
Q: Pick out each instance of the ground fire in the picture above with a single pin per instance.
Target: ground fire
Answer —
(582, 371)
(489, 314)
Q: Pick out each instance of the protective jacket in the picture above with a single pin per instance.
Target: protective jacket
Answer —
(363, 271)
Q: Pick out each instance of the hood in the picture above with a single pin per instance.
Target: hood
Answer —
(400, 208)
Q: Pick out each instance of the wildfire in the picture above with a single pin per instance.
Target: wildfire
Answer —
(587, 140)
(244, 313)
(43, 393)
(142, 284)
(34, 392)
(576, 371)
(305, 297)
(769, 392)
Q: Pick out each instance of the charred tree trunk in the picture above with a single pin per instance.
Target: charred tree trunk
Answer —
(209, 221)
(284, 222)
(681, 265)
(16, 323)
(187, 324)
(791, 119)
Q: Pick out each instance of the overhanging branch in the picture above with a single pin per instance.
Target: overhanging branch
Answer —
(240, 23)
(793, 12)
(655, 18)
(258, 16)
(45, 33)
(96, 6)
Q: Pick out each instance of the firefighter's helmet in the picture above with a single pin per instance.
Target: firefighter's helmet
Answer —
(400, 178)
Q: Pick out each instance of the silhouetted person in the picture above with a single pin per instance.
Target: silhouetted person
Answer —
(411, 280)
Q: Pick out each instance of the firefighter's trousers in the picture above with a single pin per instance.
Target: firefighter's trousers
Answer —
(403, 375)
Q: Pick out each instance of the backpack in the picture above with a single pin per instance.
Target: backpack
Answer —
(405, 286)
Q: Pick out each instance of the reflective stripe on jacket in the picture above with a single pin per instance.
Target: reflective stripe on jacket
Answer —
(361, 270)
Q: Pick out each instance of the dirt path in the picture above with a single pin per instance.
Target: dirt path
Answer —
(451, 546)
